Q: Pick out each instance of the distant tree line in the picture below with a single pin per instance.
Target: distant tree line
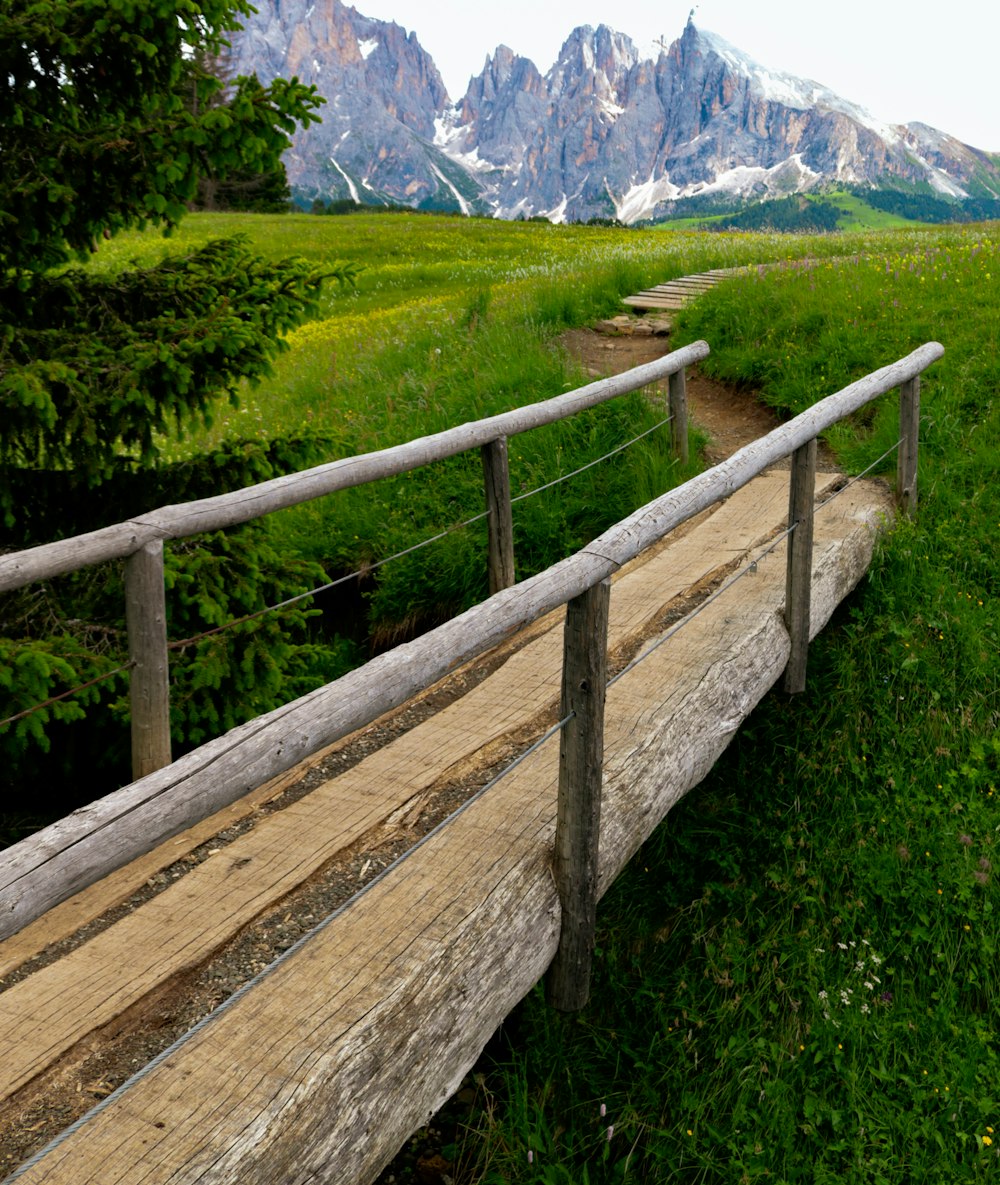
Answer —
(798, 214)
(925, 207)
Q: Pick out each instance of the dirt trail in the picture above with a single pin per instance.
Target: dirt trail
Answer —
(731, 419)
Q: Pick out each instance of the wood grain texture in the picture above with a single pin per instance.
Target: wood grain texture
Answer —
(496, 480)
(679, 416)
(44, 869)
(323, 1069)
(133, 820)
(78, 911)
(47, 868)
(798, 575)
(49, 1013)
(909, 433)
(578, 810)
(149, 679)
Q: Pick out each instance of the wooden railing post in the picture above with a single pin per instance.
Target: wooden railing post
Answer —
(500, 519)
(678, 410)
(909, 433)
(578, 822)
(149, 687)
(798, 575)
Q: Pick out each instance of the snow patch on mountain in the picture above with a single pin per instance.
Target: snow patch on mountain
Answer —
(790, 91)
(352, 189)
(640, 201)
(610, 129)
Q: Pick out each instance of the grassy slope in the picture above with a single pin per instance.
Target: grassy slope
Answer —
(857, 215)
(798, 976)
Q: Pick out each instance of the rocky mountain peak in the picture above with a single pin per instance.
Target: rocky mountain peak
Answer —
(608, 131)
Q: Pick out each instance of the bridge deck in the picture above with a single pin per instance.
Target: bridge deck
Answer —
(331, 1059)
(675, 294)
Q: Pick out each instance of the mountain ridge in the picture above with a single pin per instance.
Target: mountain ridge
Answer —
(607, 132)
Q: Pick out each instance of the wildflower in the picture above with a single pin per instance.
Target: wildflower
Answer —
(604, 1110)
(965, 841)
(531, 1156)
(611, 1132)
(987, 1140)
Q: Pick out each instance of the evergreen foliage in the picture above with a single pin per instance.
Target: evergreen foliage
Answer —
(797, 214)
(109, 118)
(927, 207)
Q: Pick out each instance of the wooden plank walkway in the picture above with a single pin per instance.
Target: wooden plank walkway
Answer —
(331, 1060)
(675, 294)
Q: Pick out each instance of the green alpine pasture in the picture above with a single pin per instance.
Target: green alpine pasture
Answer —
(449, 319)
(797, 977)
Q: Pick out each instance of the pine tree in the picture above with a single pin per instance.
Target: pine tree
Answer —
(107, 122)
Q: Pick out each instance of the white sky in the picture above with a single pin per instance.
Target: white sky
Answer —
(904, 61)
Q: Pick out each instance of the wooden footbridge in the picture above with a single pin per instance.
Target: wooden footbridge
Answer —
(645, 652)
(675, 294)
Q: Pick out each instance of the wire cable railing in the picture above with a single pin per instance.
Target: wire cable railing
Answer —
(215, 774)
(181, 644)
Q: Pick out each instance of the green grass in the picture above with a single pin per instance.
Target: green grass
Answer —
(797, 977)
(846, 842)
(452, 319)
(858, 215)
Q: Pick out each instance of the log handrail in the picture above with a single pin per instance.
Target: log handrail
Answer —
(140, 540)
(50, 866)
(241, 506)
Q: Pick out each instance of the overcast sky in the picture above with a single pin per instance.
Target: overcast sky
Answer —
(936, 63)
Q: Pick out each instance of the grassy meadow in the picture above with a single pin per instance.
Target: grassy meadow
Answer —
(797, 978)
(449, 320)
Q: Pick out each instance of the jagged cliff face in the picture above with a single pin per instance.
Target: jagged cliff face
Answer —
(607, 132)
(383, 97)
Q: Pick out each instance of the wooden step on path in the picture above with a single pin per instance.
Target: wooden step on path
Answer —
(327, 1064)
(677, 293)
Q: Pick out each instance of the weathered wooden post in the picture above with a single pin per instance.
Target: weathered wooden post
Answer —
(909, 434)
(500, 519)
(149, 686)
(678, 412)
(578, 821)
(798, 574)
